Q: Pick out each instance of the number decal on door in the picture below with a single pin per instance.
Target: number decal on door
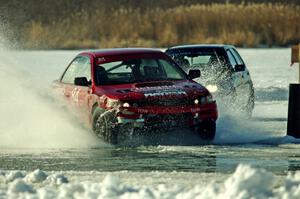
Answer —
(75, 95)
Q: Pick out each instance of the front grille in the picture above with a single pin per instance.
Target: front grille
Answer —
(164, 102)
(168, 120)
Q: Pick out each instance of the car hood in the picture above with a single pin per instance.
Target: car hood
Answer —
(157, 90)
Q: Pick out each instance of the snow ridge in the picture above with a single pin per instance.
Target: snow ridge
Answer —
(246, 182)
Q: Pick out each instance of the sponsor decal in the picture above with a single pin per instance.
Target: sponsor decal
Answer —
(143, 111)
(164, 92)
(194, 110)
(75, 95)
(160, 91)
(101, 59)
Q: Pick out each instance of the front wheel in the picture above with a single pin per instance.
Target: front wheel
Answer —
(103, 126)
(206, 130)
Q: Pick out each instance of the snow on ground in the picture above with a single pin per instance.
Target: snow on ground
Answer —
(245, 182)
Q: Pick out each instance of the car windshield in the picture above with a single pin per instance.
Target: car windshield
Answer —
(211, 63)
(137, 70)
(204, 60)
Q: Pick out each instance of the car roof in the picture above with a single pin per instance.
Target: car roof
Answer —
(226, 46)
(120, 51)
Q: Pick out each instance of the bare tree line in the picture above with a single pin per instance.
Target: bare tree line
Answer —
(117, 23)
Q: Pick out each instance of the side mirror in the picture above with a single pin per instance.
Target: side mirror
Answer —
(239, 67)
(81, 81)
(194, 73)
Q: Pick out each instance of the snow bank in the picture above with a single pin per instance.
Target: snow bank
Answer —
(36, 176)
(19, 186)
(246, 182)
(57, 179)
(13, 175)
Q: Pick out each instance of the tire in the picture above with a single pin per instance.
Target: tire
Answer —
(207, 130)
(250, 105)
(102, 125)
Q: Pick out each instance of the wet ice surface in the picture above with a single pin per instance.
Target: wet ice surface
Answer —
(73, 163)
(215, 179)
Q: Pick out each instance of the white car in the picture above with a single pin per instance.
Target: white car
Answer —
(224, 74)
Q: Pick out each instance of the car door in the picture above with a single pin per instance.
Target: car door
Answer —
(77, 95)
(82, 92)
(67, 81)
(243, 69)
(240, 76)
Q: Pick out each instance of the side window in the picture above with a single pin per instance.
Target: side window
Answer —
(231, 58)
(237, 56)
(80, 67)
(84, 68)
(71, 72)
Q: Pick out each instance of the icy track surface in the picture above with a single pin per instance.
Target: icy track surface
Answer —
(45, 153)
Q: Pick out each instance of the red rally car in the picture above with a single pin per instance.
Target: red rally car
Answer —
(123, 92)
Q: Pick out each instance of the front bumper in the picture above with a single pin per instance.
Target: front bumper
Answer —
(167, 117)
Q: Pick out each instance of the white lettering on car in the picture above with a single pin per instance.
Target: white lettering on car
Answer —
(101, 59)
(160, 91)
(163, 93)
(194, 110)
(75, 95)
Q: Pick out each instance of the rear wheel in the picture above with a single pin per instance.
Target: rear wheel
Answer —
(103, 126)
(206, 130)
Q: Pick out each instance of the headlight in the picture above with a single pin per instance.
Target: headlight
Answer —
(116, 103)
(212, 88)
(112, 103)
(126, 104)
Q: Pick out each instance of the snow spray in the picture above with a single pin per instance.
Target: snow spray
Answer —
(29, 117)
